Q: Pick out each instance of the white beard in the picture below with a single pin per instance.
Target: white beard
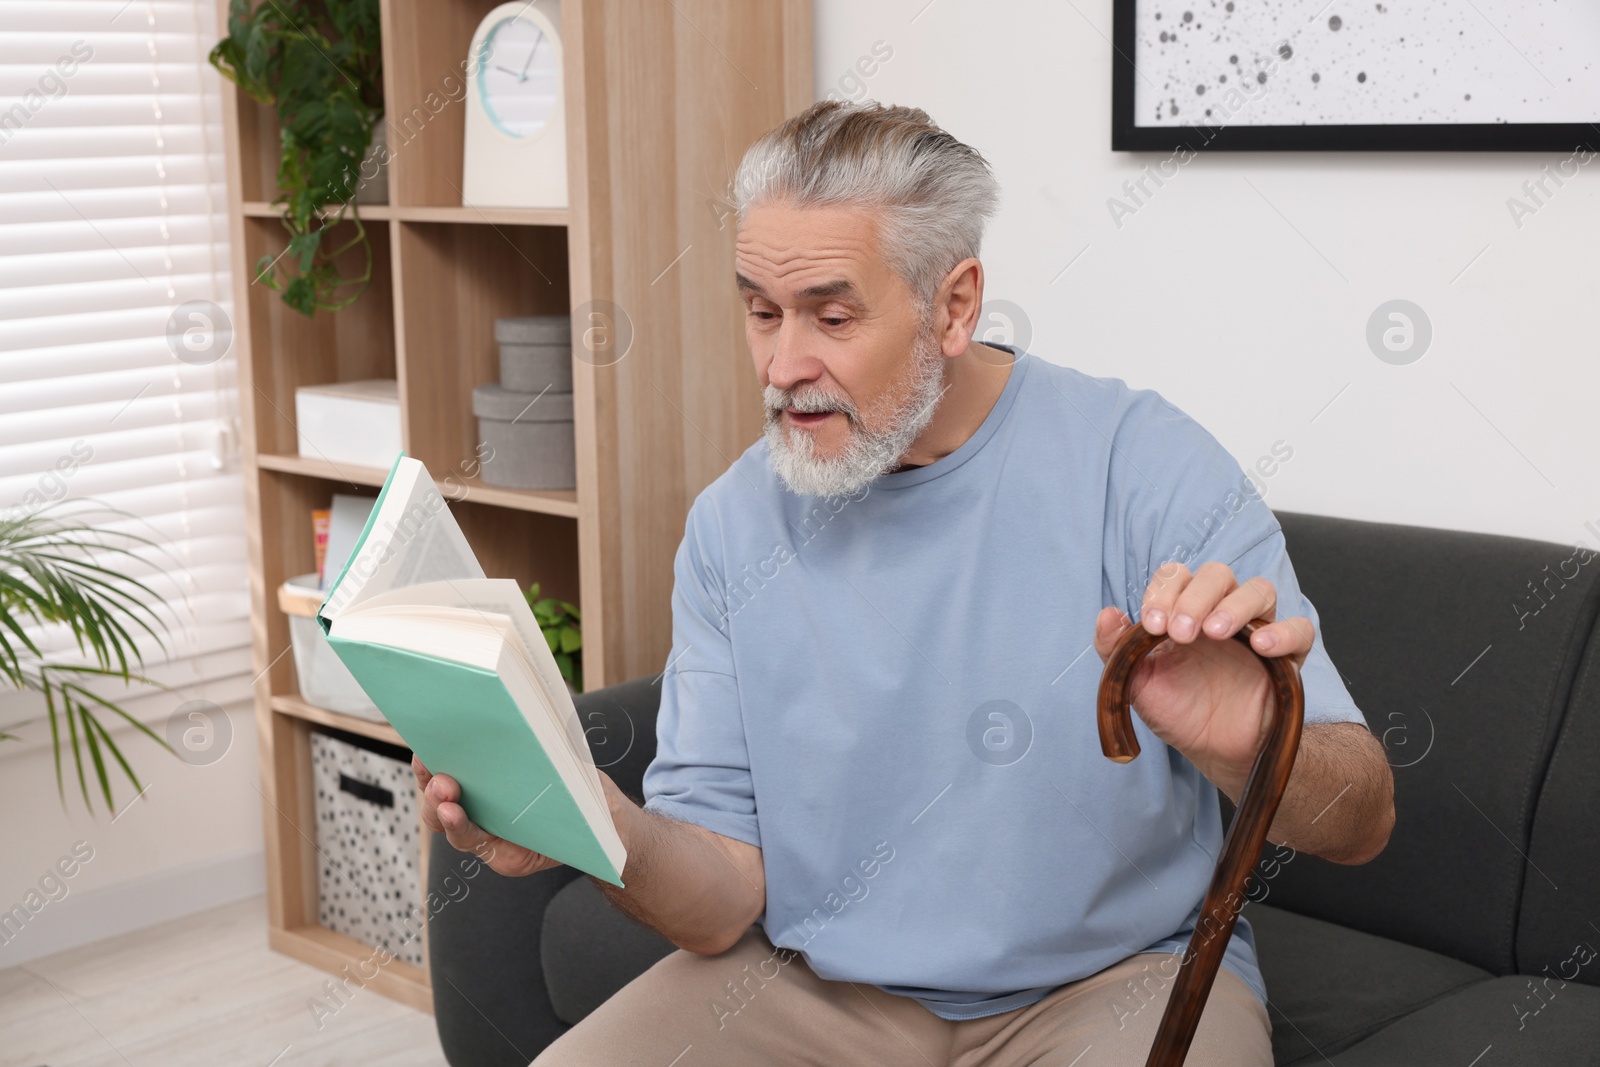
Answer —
(868, 453)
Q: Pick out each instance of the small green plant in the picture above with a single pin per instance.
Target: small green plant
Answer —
(48, 574)
(560, 623)
(319, 62)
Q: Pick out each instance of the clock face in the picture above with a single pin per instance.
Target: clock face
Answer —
(519, 77)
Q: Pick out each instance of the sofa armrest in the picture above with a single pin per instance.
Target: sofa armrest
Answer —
(490, 1001)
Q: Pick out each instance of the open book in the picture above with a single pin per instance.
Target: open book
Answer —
(457, 664)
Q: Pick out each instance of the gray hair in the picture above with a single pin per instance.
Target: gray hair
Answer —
(932, 192)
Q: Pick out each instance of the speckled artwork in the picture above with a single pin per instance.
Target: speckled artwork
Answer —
(1274, 63)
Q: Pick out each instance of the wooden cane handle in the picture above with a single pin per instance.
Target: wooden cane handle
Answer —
(1258, 803)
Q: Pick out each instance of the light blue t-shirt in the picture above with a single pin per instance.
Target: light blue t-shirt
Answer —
(893, 696)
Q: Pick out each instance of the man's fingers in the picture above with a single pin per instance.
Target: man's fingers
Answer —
(462, 833)
(1255, 599)
(1286, 637)
(444, 789)
(1108, 627)
(1161, 594)
(1210, 585)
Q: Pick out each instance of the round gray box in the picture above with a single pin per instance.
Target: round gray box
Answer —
(535, 368)
(534, 330)
(530, 438)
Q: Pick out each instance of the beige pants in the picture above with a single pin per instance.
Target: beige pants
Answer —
(755, 1004)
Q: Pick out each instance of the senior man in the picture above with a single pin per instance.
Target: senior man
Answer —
(878, 825)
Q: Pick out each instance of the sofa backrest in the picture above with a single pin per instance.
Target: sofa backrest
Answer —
(1462, 650)
(1558, 930)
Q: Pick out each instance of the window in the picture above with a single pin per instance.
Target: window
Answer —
(116, 364)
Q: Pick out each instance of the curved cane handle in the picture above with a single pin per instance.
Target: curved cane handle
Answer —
(1258, 802)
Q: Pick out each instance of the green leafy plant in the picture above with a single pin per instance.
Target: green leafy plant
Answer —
(560, 624)
(48, 574)
(319, 62)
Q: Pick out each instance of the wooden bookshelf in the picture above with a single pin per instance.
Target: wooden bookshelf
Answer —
(661, 101)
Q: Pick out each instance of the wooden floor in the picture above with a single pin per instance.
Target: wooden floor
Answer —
(200, 990)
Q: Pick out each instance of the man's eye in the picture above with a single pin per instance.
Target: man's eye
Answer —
(763, 315)
(834, 320)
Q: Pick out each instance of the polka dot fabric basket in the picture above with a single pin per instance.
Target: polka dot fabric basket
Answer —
(368, 885)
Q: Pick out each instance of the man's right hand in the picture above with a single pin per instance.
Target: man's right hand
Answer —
(442, 811)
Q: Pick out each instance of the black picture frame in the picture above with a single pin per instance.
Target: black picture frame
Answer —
(1128, 136)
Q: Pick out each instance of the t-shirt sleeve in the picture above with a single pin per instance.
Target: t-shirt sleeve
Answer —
(701, 770)
(1189, 501)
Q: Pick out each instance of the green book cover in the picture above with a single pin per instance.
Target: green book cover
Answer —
(462, 719)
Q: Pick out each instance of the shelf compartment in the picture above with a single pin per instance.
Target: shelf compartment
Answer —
(291, 350)
(524, 545)
(259, 146)
(452, 281)
(454, 486)
(425, 85)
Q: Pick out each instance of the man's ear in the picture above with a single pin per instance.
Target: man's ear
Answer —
(960, 299)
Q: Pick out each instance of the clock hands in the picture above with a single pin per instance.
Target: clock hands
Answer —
(529, 63)
(522, 75)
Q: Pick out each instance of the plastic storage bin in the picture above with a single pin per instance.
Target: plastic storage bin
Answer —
(324, 679)
(368, 885)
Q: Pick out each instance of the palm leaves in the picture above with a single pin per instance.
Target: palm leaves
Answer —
(49, 574)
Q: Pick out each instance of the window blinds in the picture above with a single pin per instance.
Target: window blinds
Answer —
(116, 365)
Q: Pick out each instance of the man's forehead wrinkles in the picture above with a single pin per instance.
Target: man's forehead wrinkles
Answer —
(822, 268)
(783, 257)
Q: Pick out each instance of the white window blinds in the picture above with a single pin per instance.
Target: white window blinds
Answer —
(113, 257)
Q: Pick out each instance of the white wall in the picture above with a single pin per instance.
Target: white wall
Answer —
(191, 841)
(1241, 289)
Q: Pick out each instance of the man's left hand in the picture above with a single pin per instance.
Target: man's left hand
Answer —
(1201, 691)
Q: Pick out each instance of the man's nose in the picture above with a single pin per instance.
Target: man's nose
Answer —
(791, 363)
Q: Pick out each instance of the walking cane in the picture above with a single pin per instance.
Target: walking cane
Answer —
(1263, 789)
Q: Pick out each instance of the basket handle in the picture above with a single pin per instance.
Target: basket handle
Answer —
(1258, 803)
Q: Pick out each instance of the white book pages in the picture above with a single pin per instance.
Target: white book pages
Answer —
(413, 539)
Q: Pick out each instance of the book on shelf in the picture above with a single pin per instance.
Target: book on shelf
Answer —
(458, 665)
(319, 537)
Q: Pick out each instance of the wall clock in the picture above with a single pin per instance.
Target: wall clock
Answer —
(515, 153)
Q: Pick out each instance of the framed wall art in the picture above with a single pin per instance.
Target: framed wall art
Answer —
(1507, 75)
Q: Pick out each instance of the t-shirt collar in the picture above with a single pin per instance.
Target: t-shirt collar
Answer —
(968, 448)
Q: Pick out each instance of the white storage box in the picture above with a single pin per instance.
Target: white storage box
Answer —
(324, 679)
(349, 422)
(368, 885)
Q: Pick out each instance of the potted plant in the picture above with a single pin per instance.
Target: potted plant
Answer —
(49, 574)
(562, 628)
(319, 63)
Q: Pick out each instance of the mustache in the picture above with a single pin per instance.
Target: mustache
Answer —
(810, 401)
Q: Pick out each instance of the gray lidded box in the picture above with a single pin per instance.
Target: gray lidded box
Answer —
(535, 352)
(535, 368)
(530, 438)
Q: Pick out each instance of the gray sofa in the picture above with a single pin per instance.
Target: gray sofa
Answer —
(1470, 941)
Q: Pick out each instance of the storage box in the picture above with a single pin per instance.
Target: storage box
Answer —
(349, 422)
(324, 679)
(368, 884)
(530, 438)
(536, 368)
(535, 353)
